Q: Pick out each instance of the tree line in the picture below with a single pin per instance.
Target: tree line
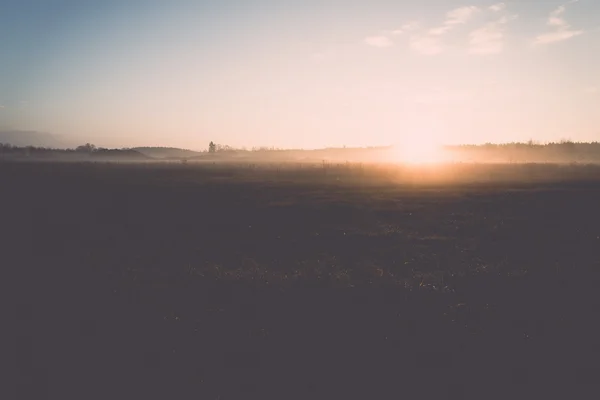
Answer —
(87, 149)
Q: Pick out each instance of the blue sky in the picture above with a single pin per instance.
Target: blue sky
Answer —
(301, 73)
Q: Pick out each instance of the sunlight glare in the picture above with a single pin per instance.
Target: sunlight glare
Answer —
(418, 151)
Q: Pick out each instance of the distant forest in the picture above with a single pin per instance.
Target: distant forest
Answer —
(530, 152)
(85, 152)
(563, 151)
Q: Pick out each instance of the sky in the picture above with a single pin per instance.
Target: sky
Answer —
(301, 74)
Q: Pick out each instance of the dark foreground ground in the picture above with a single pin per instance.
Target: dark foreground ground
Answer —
(222, 282)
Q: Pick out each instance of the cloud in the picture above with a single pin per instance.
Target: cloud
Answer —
(498, 7)
(460, 15)
(426, 45)
(454, 17)
(489, 39)
(431, 42)
(379, 41)
(555, 18)
(440, 30)
(1, 106)
(591, 90)
(507, 18)
(562, 29)
(410, 26)
(554, 37)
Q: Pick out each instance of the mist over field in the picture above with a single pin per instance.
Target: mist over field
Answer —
(300, 199)
(267, 273)
(35, 145)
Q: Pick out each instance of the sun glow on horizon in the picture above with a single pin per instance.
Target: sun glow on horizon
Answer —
(419, 150)
(294, 75)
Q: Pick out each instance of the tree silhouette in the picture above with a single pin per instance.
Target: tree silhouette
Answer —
(86, 148)
(212, 148)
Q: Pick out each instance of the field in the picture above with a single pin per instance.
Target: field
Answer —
(222, 281)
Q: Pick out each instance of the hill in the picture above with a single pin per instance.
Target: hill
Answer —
(167, 152)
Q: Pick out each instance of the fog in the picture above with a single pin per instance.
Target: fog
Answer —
(563, 152)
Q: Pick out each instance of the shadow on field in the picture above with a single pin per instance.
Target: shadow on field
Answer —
(162, 281)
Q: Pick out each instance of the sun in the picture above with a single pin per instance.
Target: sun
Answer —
(418, 151)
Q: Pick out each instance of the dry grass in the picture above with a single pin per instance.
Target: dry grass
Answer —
(167, 280)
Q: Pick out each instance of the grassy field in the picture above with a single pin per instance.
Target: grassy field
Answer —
(298, 281)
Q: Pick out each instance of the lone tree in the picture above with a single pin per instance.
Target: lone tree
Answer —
(86, 148)
(212, 148)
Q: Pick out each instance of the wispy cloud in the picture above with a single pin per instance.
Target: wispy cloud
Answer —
(562, 29)
(556, 18)
(507, 18)
(379, 41)
(383, 40)
(558, 36)
(1, 106)
(489, 39)
(440, 30)
(591, 90)
(498, 7)
(410, 26)
(461, 15)
(455, 17)
(431, 42)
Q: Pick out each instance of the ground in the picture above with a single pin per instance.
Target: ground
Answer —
(302, 281)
